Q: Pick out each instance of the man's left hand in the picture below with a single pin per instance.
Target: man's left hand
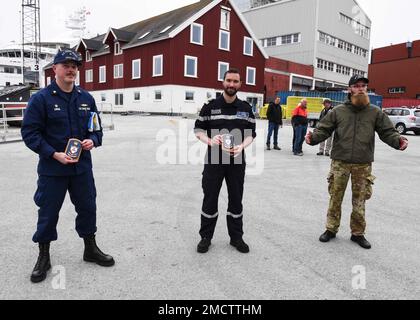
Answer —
(237, 150)
(88, 145)
(403, 143)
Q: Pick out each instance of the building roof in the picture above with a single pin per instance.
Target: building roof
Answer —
(12, 90)
(163, 26)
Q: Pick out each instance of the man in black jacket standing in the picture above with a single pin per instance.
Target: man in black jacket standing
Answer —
(275, 120)
(325, 146)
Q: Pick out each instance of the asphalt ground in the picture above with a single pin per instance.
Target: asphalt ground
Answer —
(149, 217)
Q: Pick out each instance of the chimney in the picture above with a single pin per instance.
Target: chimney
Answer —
(410, 49)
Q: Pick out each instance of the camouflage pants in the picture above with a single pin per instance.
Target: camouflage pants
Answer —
(362, 181)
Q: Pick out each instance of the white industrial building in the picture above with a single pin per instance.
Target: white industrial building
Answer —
(331, 35)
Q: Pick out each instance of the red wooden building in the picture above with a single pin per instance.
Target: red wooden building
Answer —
(394, 72)
(174, 62)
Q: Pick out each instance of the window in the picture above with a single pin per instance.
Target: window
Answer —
(103, 97)
(225, 19)
(296, 37)
(77, 81)
(144, 35)
(88, 56)
(166, 29)
(196, 33)
(136, 69)
(137, 96)
(271, 42)
(89, 75)
(287, 39)
(118, 71)
(190, 66)
(248, 46)
(250, 76)
(117, 49)
(189, 96)
(397, 90)
(48, 81)
(349, 47)
(157, 66)
(224, 40)
(223, 67)
(119, 99)
(102, 74)
(158, 95)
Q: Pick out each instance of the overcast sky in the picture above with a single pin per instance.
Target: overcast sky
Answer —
(394, 21)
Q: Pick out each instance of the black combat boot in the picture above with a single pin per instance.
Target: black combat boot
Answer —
(240, 245)
(43, 263)
(204, 245)
(268, 147)
(276, 147)
(320, 153)
(327, 236)
(94, 254)
(361, 241)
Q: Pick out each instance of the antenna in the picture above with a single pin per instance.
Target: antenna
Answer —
(31, 36)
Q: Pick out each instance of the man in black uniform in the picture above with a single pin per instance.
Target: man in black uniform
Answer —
(223, 121)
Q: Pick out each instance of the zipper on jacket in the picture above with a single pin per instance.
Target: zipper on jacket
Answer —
(354, 137)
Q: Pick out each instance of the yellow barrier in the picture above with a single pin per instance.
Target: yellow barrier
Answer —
(314, 105)
(263, 111)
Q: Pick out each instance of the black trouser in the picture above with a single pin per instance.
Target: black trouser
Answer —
(213, 177)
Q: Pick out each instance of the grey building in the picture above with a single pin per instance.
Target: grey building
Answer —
(331, 35)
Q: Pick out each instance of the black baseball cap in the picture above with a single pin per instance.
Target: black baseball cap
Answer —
(356, 78)
(68, 55)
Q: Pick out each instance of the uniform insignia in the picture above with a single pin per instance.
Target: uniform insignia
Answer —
(242, 115)
(216, 112)
(57, 107)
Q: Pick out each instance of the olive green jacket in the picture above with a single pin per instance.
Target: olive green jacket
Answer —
(354, 132)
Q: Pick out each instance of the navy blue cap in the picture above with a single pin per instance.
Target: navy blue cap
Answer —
(68, 55)
(356, 78)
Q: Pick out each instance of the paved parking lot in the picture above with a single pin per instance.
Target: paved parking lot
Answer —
(149, 216)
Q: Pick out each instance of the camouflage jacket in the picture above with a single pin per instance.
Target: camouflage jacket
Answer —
(354, 132)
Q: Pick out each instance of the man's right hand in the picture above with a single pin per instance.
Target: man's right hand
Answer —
(63, 158)
(308, 138)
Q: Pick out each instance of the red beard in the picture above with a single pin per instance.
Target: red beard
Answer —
(360, 100)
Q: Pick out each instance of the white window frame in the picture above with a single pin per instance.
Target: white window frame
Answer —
(201, 34)
(89, 76)
(247, 76)
(186, 58)
(161, 96)
(193, 96)
(220, 40)
(49, 81)
(120, 95)
(77, 80)
(134, 98)
(102, 74)
(133, 70)
(88, 56)
(161, 65)
(219, 75)
(118, 71)
(251, 54)
(103, 97)
(227, 25)
(117, 49)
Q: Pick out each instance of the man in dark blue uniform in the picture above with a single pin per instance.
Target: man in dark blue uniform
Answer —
(55, 115)
(227, 126)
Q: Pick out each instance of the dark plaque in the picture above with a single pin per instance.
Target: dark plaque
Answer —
(74, 149)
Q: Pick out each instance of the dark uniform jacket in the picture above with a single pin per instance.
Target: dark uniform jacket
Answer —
(275, 113)
(354, 132)
(52, 117)
(218, 117)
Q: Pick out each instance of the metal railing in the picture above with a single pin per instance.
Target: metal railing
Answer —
(11, 116)
(107, 115)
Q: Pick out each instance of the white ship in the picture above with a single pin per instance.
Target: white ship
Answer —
(11, 55)
(11, 63)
